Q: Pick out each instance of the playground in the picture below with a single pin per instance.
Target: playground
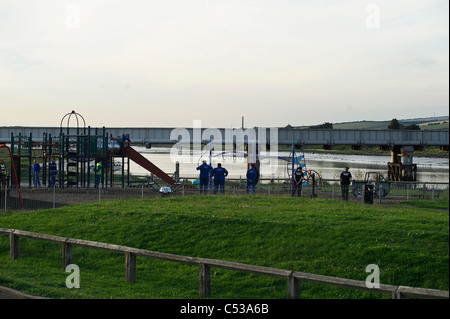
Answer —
(79, 158)
(84, 164)
(82, 158)
(77, 152)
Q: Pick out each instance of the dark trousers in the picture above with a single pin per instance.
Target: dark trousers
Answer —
(252, 185)
(98, 178)
(52, 180)
(37, 182)
(344, 189)
(204, 184)
(219, 183)
(297, 189)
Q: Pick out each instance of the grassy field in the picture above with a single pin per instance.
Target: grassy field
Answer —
(383, 125)
(409, 243)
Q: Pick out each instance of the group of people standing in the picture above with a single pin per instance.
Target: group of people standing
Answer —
(53, 172)
(36, 171)
(219, 173)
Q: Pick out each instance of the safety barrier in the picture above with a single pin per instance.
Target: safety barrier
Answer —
(294, 278)
(46, 198)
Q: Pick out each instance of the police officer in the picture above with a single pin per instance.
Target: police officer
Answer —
(345, 178)
(299, 177)
(53, 172)
(205, 170)
(98, 173)
(219, 174)
(251, 178)
(2, 172)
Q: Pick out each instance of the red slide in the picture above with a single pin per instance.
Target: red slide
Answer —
(136, 157)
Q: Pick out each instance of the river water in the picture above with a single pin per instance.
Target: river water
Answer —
(328, 165)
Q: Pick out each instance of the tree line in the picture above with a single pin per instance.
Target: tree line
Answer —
(395, 125)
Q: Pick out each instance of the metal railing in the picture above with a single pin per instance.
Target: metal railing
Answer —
(35, 198)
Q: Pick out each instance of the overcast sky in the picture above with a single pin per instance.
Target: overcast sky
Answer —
(166, 63)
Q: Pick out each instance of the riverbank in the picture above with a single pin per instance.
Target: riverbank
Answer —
(431, 151)
(329, 164)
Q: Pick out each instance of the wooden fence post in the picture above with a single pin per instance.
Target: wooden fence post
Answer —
(204, 280)
(13, 246)
(293, 288)
(67, 255)
(130, 267)
(293, 278)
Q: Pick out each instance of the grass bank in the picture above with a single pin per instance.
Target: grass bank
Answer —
(408, 243)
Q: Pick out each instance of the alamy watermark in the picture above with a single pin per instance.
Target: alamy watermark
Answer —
(373, 280)
(73, 280)
(373, 18)
(253, 144)
(73, 16)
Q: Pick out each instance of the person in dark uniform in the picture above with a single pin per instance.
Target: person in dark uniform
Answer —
(299, 177)
(345, 178)
(53, 172)
(3, 173)
(251, 178)
(219, 174)
(205, 170)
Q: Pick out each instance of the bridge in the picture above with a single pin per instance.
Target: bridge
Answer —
(401, 143)
(263, 136)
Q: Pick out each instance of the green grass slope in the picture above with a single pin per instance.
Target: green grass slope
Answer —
(409, 244)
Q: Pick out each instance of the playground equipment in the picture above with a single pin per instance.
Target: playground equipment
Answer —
(77, 151)
(311, 176)
(88, 157)
(293, 161)
(174, 185)
(73, 150)
(4, 184)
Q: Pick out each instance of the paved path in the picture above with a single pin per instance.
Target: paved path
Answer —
(8, 293)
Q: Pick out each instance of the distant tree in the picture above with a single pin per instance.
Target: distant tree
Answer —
(413, 127)
(394, 125)
(326, 125)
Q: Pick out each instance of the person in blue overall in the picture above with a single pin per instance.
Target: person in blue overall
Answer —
(36, 172)
(53, 172)
(205, 170)
(251, 178)
(219, 174)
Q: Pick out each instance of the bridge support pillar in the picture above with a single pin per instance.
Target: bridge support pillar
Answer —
(402, 168)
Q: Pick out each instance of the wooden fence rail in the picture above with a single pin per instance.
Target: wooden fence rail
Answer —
(294, 278)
